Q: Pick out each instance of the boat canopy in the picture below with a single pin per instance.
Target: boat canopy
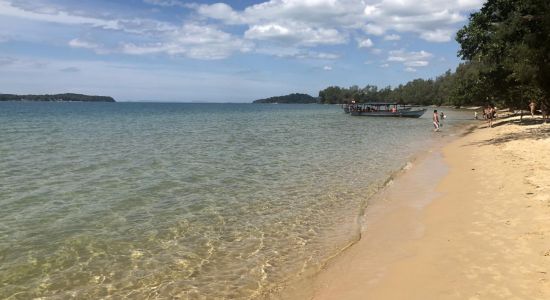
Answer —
(379, 103)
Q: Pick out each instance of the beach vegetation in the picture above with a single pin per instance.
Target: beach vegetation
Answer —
(509, 43)
(418, 91)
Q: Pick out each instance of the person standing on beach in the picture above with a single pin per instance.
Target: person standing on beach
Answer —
(532, 107)
(544, 111)
(436, 120)
(490, 115)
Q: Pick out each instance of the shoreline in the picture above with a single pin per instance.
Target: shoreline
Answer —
(300, 287)
(438, 238)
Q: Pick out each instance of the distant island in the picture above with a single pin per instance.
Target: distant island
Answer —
(67, 97)
(292, 98)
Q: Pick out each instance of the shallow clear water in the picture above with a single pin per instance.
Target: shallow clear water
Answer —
(143, 200)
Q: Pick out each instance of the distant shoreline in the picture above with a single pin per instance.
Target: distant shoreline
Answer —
(295, 98)
(67, 97)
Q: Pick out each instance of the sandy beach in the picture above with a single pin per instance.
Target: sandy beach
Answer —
(471, 220)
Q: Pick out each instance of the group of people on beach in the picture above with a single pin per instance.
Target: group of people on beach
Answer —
(490, 114)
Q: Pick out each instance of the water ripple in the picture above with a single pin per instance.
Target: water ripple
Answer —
(183, 200)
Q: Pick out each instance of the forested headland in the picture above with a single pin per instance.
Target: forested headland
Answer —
(70, 97)
(506, 51)
(292, 98)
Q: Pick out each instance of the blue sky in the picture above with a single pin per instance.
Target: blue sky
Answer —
(233, 51)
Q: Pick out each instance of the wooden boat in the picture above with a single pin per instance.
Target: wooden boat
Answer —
(346, 107)
(385, 110)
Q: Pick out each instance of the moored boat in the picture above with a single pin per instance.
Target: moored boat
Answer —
(346, 107)
(385, 110)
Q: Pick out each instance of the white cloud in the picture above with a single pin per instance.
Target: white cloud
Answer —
(366, 43)
(371, 10)
(313, 12)
(327, 68)
(409, 69)
(384, 65)
(438, 35)
(392, 37)
(470, 4)
(322, 55)
(304, 23)
(295, 34)
(165, 3)
(97, 48)
(49, 14)
(289, 52)
(70, 70)
(403, 56)
(54, 16)
(376, 51)
(198, 41)
(374, 29)
(289, 24)
(193, 41)
(78, 43)
(221, 11)
(434, 20)
(416, 63)
(410, 59)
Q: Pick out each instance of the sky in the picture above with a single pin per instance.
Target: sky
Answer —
(233, 51)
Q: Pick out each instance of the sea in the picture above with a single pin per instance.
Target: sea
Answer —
(188, 201)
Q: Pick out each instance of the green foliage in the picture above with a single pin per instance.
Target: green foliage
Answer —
(292, 98)
(56, 97)
(509, 40)
(418, 91)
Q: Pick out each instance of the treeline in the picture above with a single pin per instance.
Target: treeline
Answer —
(292, 98)
(56, 97)
(459, 88)
(419, 91)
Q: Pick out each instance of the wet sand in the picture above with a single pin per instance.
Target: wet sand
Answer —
(468, 221)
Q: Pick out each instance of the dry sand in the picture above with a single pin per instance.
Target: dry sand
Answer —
(471, 221)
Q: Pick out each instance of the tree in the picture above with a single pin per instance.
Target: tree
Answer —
(510, 40)
(331, 95)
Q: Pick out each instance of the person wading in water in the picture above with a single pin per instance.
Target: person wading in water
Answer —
(436, 120)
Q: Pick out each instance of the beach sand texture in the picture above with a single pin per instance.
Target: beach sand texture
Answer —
(480, 232)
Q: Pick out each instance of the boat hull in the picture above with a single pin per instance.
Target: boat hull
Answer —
(399, 113)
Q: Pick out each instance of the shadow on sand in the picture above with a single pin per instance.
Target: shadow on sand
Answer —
(469, 130)
(535, 133)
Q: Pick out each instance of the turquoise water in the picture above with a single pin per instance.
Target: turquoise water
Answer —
(197, 201)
